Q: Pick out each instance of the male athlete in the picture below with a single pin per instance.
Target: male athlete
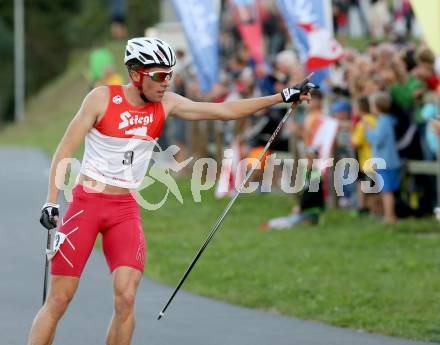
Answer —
(118, 124)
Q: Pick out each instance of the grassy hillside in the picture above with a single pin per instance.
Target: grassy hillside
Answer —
(349, 272)
(50, 111)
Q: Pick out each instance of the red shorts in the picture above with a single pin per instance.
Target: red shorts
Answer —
(118, 220)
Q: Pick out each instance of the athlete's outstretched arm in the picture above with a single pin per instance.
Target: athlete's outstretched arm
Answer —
(189, 110)
(93, 105)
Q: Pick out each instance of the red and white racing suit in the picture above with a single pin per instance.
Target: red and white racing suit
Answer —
(117, 153)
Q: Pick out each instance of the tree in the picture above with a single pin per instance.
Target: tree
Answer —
(53, 29)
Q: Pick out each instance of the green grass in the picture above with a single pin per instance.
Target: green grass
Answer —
(49, 112)
(348, 272)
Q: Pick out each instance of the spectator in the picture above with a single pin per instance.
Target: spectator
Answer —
(379, 19)
(356, 15)
(341, 111)
(340, 16)
(118, 9)
(102, 68)
(367, 202)
(383, 143)
(430, 115)
(402, 69)
(426, 60)
(311, 201)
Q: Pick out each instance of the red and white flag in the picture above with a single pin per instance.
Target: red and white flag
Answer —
(309, 23)
(247, 18)
(324, 50)
(231, 173)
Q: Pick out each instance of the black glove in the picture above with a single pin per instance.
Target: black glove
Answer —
(292, 94)
(48, 214)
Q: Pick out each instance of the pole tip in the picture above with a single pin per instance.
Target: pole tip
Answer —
(160, 315)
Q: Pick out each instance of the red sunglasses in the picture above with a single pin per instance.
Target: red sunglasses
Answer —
(158, 76)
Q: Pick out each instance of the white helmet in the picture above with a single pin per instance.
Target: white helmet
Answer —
(150, 51)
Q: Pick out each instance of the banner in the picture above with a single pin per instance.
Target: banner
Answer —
(427, 13)
(309, 23)
(230, 175)
(200, 21)
(248, 20)
(324, 139)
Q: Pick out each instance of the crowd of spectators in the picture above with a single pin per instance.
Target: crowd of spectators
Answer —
(384, 99)
(401, 84)
(376, 19)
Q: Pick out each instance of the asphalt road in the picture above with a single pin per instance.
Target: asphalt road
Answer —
(190, 320)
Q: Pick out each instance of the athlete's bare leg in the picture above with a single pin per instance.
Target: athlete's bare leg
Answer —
(125, 283)
(62, 289)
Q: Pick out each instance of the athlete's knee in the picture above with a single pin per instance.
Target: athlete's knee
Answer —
(124, 303)
(57, 303)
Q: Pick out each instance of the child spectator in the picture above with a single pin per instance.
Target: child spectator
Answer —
(341, 111)
(425, 58)
(366, 202)
(383, 143)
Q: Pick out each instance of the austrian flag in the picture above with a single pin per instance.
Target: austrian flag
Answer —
(309, 23)
(324, 50)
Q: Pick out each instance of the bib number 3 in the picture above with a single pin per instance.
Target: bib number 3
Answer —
(128, 158)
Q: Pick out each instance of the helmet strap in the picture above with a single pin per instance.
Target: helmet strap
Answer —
(142, 95)
(138, 85)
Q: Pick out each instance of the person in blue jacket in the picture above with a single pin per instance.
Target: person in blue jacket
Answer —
(383, 143)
